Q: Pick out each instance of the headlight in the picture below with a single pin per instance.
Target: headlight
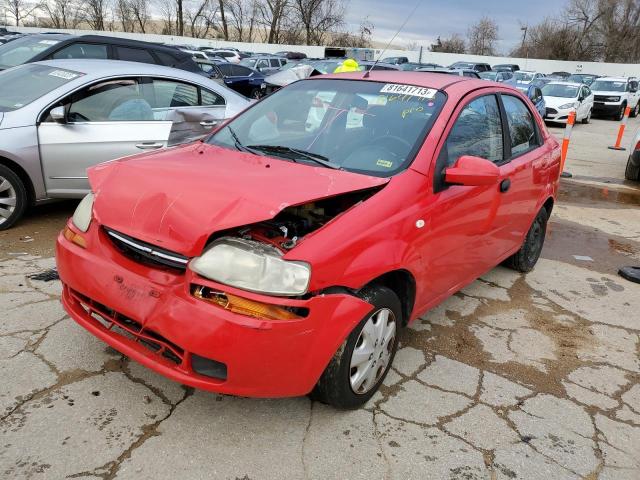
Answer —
(613, 99)
(567, 105)
(82, 216)
(252, 266)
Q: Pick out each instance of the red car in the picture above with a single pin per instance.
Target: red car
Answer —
(282, 255)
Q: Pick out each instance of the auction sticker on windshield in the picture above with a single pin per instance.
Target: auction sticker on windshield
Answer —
(411, 90)
(64, 74)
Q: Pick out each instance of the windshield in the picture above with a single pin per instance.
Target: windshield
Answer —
(359, 126)
(523, 77)
(23, 49)
(248, 62)
(462, 65)
(587, 79)
(609, 86)
(489, 75)
(34, 81)
(558, 90)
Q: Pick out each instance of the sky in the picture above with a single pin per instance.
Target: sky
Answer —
(442, 18)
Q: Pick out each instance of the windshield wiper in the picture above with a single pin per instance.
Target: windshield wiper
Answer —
(238, 144)
(314, 157)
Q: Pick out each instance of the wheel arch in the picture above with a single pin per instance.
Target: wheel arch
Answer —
(403, 284)
(23, 175)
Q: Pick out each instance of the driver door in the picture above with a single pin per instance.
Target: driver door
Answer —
(105, 121)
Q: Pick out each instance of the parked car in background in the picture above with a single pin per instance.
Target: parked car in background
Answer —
(586, 78)
(285, 256)
(395, 60)
(196, 54)
(34, 48)
(475, 66)
(410, 66)
(540, 81)
(452, 71)
(68, 115)
(496, 76)
(534, 93)
(614, 94)
(508, 67)
(264, 63)
(368, 65)
(633, 162)
(563, 75)
(239, 78)
(231, 56)
(522, 79)
(563, 97)
(292, 55)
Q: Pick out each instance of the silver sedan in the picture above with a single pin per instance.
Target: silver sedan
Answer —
(57, 118)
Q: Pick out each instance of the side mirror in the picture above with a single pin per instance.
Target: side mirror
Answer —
(472, 171)
(58, 115)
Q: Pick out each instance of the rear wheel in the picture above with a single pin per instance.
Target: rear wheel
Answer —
(526, 258)
(359, 366)
(635, 111)
(633, 171)
(587, 119)
(13, 198)
(256, 93)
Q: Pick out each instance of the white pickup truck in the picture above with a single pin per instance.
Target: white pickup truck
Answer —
(613, 94)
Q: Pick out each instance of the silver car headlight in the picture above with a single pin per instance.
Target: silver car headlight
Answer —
(252, 266)
(83, 214)
(567, 105)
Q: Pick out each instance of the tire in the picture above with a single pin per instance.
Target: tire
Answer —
(635, 111)
(256, 94)
(620, 114)
(526, 258)
(632, 171)
(336, 385)
(586, 120)
(13, 198)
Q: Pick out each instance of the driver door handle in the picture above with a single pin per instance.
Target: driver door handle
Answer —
(505, 185)
(211, 123)
(149, 145)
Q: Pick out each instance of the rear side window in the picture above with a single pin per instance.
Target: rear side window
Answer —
(166, 59)
(477, 132)
(211, 99)
(134, 55)
(226, 70)
(522, 130)
(81, 50)
(275, 62)
(170, 94)
(468, 74)
(240, 71)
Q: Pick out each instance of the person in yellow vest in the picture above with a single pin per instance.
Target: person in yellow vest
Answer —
(349, 65)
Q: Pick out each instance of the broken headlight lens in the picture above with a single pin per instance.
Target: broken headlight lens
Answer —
(252, 266)
(567, 105)
(84, 211)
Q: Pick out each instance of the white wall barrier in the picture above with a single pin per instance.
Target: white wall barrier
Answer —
(544, 66)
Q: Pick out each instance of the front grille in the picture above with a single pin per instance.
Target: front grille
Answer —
(129, 328)
(143, 252)
(602, 98)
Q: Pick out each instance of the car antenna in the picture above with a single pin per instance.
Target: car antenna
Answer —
(366, 74)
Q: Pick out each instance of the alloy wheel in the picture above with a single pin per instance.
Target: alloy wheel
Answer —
(7, 199)
(372, 351)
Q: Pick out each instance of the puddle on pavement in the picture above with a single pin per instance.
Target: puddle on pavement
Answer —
(566, 239)
(579, 193)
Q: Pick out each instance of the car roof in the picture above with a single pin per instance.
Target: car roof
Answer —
(98, 68)
(419, 79)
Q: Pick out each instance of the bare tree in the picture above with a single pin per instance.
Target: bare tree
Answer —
(223, 19)
(63, 13)
(482, 37)
(270, 15)
(360, 40)
(203, 18)
(96, 14)
(319, 17)
(124, 15)
(242, 19)
(20, 10)
(140, 13)
(452, 44)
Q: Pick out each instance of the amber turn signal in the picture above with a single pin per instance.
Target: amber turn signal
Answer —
(74, 237)
(243, 306)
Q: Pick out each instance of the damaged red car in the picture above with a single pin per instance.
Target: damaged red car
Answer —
(282, 255)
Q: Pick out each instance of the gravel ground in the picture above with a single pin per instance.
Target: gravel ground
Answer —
(516, 376)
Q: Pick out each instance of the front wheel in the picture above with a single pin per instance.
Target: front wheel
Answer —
(256, 94)
(526, 258)
(359, 366)
(587, 119)
(620, 113)
(13, 198)
(632, 171)
(635, 111)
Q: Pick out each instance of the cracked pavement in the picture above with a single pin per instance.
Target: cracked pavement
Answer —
(531, 376)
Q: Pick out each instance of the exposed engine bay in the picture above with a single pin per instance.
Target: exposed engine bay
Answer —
(293, 223)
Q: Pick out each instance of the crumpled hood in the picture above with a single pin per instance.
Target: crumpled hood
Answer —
(178, 197)
(555, 102)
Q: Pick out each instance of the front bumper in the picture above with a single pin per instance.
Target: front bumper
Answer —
(149, 314)
(604, 108)
(557, 115)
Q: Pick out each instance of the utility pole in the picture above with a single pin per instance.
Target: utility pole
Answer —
(525, 47)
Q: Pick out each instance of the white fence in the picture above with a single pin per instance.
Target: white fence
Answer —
(544, 66)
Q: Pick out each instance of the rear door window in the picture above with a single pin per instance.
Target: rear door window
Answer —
(477, 132)
(522, 130)
(275, 62)
(134, 55)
